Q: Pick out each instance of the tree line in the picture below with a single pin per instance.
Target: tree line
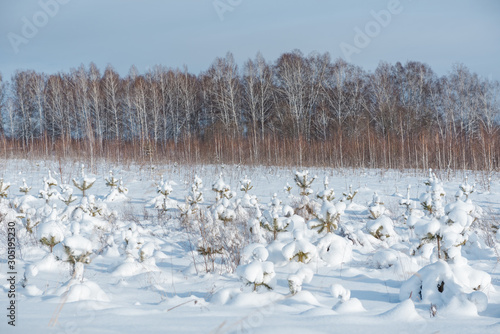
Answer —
(300, 110)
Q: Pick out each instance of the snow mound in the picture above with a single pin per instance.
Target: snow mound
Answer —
(352, 305)
(405, 311)
(75, 291)
(133, 268)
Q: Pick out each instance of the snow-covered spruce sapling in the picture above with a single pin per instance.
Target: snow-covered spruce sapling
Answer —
(304, 207)
(67, 194)
(116, 188)
(248, 201)
(221, 189)
(300, 249)
(288, 189)
(50, 233)
(465, 189)
(432, 199)
(246, 184)
(195, 195)
(164, 189)
(409, 207)
(4, 186)
(326, 194)
(273, 223)
(24, 188)
(295, 281)
(458, 218)
(111, 180)
(304, 181)
(84, 183)
(77, 250)
(49, 191)
(349, 196)
(379, 225)
(327, 220)
(30, 220)
(259, 272)
(271, 220)
(429, 227)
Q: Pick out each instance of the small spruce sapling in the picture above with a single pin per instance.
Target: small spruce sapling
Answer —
(164, 189)
(271, 220)
(25, 189)
(246, 184)
(49, 192)
(288, 189)
(379, 225)
(67, 194)
(50, 234)
(195, 196)
(77, 250)
(429, 228)
(111, 181)
(327, 220)
(259, 272)
(465, 189)
(295, 281)
(222, 190)
(349, 196)
(304, 206)
(4, 186)
(299, 249)
(304, 181)
(84, 183)
(326, 194)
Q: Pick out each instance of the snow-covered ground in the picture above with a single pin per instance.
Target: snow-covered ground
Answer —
(191, 249)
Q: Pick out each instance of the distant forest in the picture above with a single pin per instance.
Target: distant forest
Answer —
(297, 110)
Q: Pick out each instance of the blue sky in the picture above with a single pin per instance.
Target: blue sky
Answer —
(193, 33)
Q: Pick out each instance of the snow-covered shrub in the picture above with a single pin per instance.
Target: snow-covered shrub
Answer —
(442, 283)
(458, 218)
(295, 281)
(300, 249)
(334, 250)
(259, 272)
(84, 183)
(346, 304)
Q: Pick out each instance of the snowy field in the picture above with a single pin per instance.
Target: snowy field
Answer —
(214, 249)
